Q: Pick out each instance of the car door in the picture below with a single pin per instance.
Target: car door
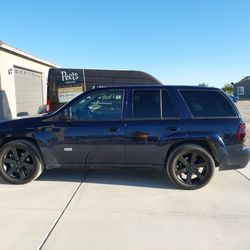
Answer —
(94, 133)
(153, 121)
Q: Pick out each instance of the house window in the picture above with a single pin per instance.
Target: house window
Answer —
(240, 90)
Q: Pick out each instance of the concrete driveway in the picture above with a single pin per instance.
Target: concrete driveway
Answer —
(125, 209)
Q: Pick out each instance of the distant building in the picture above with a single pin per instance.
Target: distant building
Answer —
(242, 88)
(23, 80)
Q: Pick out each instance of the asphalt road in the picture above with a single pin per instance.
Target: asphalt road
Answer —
(125, 209)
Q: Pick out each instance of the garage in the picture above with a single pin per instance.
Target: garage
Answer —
(23, 82)
(27, 101)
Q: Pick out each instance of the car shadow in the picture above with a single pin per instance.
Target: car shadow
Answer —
(139, 177)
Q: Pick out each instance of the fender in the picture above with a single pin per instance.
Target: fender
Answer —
(211, 139)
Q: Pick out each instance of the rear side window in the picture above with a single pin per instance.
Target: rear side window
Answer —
(208, 103)
(168, 110)
(146, 104)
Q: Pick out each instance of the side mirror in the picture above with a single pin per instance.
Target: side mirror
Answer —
(67, 113)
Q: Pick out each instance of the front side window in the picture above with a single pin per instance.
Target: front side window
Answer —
(101, 105)
(208, 103)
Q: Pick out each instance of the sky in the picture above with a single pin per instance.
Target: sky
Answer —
(177, 41)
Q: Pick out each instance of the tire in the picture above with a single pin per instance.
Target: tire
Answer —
(20, 162)
(190, 167)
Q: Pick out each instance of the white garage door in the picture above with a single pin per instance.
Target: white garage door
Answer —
(29, 95)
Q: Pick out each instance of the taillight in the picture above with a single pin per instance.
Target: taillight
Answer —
(241, 134)
(48, 105)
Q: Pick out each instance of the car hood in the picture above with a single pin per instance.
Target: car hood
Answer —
(24, 121)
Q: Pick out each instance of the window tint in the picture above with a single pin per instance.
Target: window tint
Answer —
(207, 103)
(103, 105)
(168, 109)
(146, 104)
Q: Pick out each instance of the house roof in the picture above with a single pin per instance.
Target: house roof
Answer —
(247, 78)
(10, 49)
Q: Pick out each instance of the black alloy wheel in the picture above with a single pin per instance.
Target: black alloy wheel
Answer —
(190, 166)
(20, 162)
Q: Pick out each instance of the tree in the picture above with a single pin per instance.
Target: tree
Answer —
(203, 84)
(228, 88)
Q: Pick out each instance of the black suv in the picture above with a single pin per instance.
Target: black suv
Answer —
(185, 131)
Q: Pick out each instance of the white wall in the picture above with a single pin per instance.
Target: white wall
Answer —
(7, 63)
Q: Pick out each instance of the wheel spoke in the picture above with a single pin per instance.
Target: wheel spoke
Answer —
(11, 170)
(180, 171)
(27, 171)
(10, 161)
(14, 152)
(200, 165)
(21, 174)
(25, 155)
(193, 158)
(189, 178)
(28, 166)
(183, 161)
(199, 175)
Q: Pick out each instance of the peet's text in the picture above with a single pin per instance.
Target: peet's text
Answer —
(69, 77)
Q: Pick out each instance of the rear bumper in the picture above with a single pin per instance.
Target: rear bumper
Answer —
(235, 158)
